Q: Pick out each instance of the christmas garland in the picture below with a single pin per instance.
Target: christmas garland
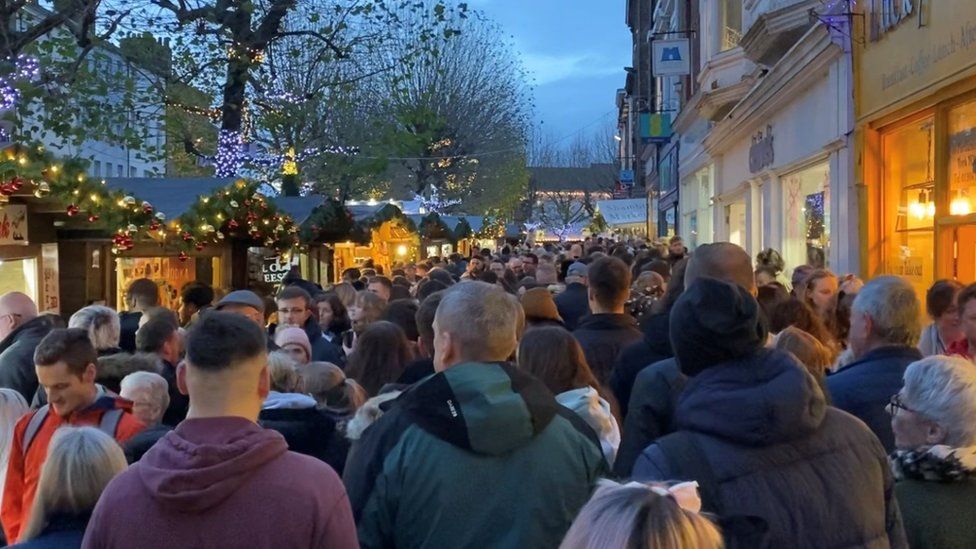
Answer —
(238, 210)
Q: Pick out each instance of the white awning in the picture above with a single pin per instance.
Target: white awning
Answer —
(632, 211)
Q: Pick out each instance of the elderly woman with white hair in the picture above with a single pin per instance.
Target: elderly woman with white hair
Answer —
(102, 325)
(934, 421)
(149, 393)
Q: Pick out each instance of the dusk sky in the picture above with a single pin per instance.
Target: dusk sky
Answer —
(575, 49)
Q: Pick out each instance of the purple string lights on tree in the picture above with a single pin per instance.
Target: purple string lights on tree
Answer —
(230, 154)
(25, 68)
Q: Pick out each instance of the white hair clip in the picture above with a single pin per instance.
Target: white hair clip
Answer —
(685, 494)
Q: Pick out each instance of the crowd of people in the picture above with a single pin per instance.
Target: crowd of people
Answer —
(611, 394)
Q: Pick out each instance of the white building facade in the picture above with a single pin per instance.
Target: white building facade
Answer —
(765, 158)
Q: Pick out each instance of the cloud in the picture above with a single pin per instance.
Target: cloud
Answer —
(547, 68)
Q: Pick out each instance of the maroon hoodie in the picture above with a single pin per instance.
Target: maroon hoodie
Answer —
(223, 482)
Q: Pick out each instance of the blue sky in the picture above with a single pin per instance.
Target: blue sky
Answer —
(576, 50)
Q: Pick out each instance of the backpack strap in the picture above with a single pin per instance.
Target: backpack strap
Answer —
(687, 461)
(33, 426)
(110, 421)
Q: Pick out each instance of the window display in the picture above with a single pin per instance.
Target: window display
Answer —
(806, 207)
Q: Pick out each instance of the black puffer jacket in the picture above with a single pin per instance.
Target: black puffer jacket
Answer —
(17, 356)
(603, 337)
(654, 347)
(306, 429)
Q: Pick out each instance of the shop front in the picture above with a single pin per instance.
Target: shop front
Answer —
(696, 207)
(29, 255)
(917, 135)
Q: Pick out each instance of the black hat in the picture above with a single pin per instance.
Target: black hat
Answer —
(714, 322)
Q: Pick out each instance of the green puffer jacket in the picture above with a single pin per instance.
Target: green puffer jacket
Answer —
(479, 455)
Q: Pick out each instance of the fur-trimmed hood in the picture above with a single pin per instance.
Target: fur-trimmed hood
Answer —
(112, 368)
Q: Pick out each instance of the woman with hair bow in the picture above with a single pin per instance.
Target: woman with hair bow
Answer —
(643, 516)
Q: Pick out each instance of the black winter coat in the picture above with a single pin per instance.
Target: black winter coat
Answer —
(603, 337)
(816, 475)
(17, 356)
(128, 326)
(572, 304)
(651, 411)
(137, 446)
(308, 431)
(654, 347)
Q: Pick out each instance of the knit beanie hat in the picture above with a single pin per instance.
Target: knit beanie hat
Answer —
(291, 335)
(714, 322)
(539, 305)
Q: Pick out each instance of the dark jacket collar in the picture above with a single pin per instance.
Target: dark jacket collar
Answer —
(607, 321)
(66, 523)
(312, 329)
(34, 327)
(892, 353)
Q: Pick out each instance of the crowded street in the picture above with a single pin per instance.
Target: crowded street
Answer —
(629, 274)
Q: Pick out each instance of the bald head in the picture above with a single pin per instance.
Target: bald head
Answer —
(724, 261)
(15, 309)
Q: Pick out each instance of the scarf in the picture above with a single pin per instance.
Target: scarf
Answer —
(937, 463)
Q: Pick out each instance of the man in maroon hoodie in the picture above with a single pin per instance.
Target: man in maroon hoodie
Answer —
(220, 480)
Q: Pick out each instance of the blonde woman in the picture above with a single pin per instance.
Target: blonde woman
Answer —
(642, 516)
(12, 407)
(102, 325)
(80, 463)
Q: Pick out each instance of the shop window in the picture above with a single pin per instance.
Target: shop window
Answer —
(735, 220)
(962, 160)
(19, 275)
(908, 201)
(806, 210)
(730, 23)
(169, 273)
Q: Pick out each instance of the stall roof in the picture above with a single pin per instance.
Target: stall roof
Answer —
(300, 208)
(631, 211)
(172, 196)
(476, 222)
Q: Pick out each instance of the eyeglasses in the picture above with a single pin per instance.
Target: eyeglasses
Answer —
(896, 404)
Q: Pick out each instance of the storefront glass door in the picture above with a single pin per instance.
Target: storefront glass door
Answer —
(806, 221)
(735, 218)
(909, 208)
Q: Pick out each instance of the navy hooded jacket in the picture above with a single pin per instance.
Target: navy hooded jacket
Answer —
(815, 474)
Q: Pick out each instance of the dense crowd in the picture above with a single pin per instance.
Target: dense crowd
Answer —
(604, 394)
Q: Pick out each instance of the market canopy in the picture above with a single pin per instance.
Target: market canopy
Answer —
(173, 196)
(632, 211)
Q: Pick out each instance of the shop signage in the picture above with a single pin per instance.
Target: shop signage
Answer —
(672, 57)
(761, 151)
(655, 126)
(274, 269)
(627, 177)
(885, 15)
(13, 224)
(50, 293)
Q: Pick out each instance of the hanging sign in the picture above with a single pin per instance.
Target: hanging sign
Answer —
(274, 269)
(761, 150)
(671, 57)
(13, 224)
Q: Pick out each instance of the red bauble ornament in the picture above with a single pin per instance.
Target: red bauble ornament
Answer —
(232, 224)
(147, 208)
(183, 256)
(187, 237)
(16, 183)
(72, 210)
(199, 247)
(154, 226)
(92, 218)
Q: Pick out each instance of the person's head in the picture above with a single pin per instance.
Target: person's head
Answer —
(403, 313)
(159, 312)
(245, 303)
(367, 309)
(149, 393)
(539, 307)
(497, 266)
(575, 251)
(226, 368)
(936, 405)
(966, 304)
(940, 303)
(346, 293)
(426, 288)
(798, 278)
(142, 294)
(350, 275)
(516, 265)
(333, 316)
(283, 372)
(425, 323)
(545, 274)
(194, 297)
(723, 261)
(475, 322)
(16, 309)
(715, 322)
(553, 355)
(65, 364)
(442, 276)
(530, 263)
(162, 337)
(885, 312)
(101, 323)
(659, 266)
(331, 389)
(641, 516)
(676, 247)
(476, 265)
(79, 465)
(294, 306)
(765, 276)
(820, 292)
(294, 342)
(381, 286)
(382, 352)
(807, 349)
(608, 280)
(770, 296)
